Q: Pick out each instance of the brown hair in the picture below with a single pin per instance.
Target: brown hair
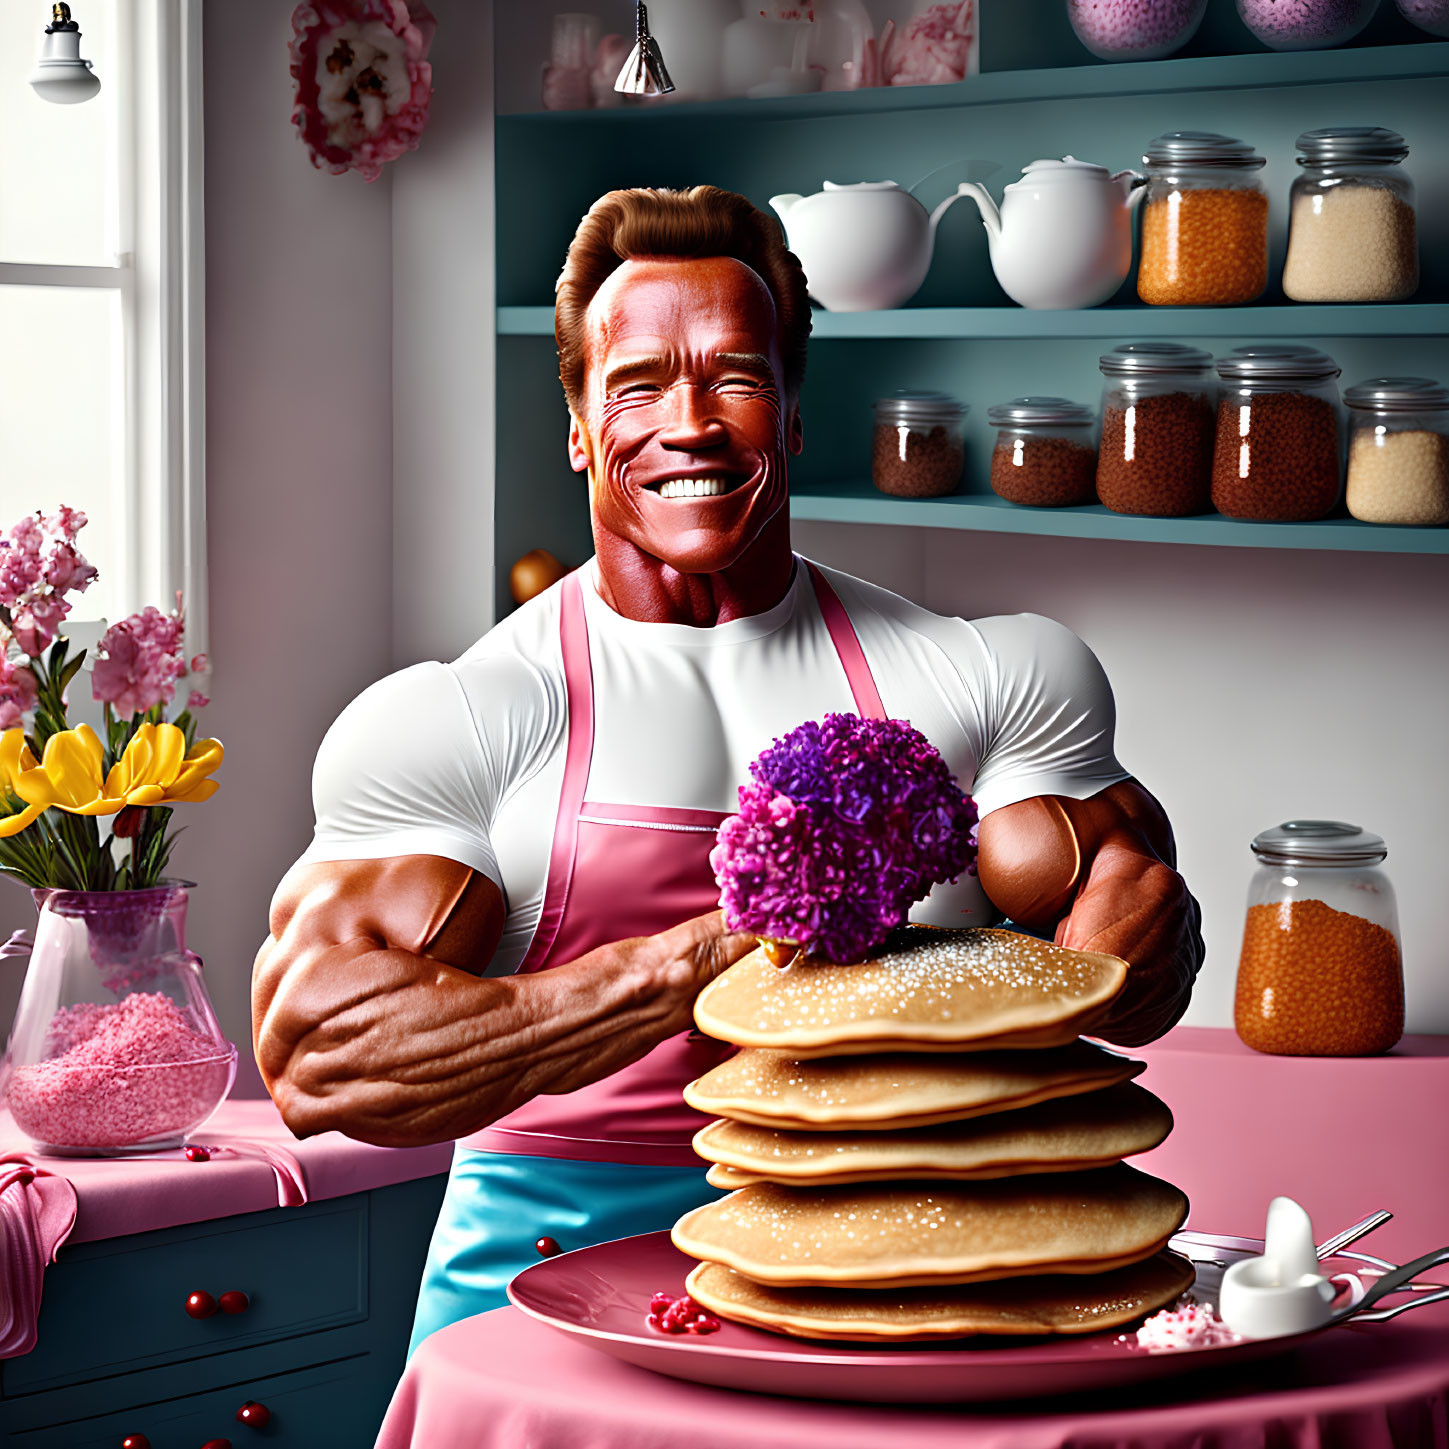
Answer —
(704, 221)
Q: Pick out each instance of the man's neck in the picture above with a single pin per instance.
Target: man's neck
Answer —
(646, 589)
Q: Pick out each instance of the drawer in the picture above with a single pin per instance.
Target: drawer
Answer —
(118, 1306)
(339, 1404)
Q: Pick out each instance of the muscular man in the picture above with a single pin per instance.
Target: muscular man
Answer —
(541, 809)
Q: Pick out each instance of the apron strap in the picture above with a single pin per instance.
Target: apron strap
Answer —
(579, 685)
(842, 634)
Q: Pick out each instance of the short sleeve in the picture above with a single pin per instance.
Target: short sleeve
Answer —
(402, 771)
(1050, 717)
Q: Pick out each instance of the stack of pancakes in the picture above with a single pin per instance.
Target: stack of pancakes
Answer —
(922, 1146)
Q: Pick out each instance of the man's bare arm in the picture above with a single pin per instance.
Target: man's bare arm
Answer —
(1103, 872)
(369, 1016)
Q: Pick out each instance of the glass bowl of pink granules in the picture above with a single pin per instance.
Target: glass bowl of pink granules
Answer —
(116, 1048)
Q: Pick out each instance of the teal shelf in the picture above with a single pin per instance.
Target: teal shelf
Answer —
(1405, 319)
(859, 502)
(1067, 82)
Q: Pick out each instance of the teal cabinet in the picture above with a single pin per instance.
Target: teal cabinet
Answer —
(330, 1287)
(1040, 94)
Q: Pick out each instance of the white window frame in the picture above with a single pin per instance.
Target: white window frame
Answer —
(159, 273)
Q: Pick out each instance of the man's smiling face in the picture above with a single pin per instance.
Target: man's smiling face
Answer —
(685, 425)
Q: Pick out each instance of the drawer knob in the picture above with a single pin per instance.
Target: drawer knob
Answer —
(135, 1441)
(217, 1444)
(234, 1302)
(200, 1305)
(255, 1414)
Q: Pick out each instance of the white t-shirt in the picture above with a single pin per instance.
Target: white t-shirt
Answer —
(465, 760)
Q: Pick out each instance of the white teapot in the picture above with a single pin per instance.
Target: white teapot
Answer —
(864, 247)
(1063, 236)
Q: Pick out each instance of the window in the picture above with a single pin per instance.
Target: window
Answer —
(101, 301)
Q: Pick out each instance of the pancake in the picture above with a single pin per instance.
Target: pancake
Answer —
(894, 1090)
(924, 990)
(923, 1234)
(1051, 1304)
(1066, 1135)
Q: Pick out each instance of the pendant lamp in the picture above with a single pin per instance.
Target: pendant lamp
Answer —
(644, 73)
(60, 75)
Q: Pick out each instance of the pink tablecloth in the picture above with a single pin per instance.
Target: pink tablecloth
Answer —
(502, 1380)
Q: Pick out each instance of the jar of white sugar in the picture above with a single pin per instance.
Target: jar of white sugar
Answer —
(1398, 452)
(1352, 232)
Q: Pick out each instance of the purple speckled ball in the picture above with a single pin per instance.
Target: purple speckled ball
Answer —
(1135, 29)
(1430, 15)
(1306, 24)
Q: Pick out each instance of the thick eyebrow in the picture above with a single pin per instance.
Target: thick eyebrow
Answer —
(754, 361)
(625, 370)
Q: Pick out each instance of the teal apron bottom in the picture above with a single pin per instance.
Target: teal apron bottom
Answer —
(499, 1204)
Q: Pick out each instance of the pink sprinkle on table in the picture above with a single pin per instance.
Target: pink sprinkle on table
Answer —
(120, 1074)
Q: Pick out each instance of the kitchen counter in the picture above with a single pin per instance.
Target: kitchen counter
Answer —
(117, 1196)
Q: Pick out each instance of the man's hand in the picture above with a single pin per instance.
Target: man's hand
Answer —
(369, 1016)
(1108, 863)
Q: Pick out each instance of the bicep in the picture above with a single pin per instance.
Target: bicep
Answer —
(1035, 854)
(324, 915)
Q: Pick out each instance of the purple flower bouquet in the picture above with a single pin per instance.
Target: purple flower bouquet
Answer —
(845, 824)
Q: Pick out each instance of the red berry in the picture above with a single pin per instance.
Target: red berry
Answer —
(200, 1305)
(255, 1414)
(234, 1301)
(548, 1247)
(135, 1441)
(197, 1154)
(658, 1302)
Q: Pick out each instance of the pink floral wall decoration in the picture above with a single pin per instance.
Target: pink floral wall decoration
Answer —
(363, 81)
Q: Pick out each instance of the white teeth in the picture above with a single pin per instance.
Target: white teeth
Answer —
(693, 487)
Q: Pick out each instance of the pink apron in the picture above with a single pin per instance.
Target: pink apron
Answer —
(627, 870)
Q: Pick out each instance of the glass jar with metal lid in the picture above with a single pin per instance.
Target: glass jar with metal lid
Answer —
(918, 450)
(1156, 455)
(1352, 230)
(1046, 452)
(1321, 970)
(1204, 222)
(1277, 454)
(1398, 451)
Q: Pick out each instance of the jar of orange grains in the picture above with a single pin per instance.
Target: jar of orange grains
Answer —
(1204, 222)
(1321, 973)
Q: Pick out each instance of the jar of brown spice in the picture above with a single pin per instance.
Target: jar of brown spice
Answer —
(1204, 222)
(1321, 972)
(918, 450)
(1278, 453)
(1156, 456)
(1046, 452)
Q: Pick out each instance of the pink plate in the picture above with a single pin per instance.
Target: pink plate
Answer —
(600, 1296)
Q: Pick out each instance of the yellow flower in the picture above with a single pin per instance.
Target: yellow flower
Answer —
(14, 756)
(157, 768)
(69, 775)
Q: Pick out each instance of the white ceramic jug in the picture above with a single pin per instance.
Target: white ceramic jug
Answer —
(864, 247)
(1063, 235)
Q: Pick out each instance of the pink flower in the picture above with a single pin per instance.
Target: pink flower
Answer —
(39, 565)
(21, 566)
(197, 700)
(17, 692)
(37, 623)
(362, 81)
(200, 664)
(68, 570)
(138, 662)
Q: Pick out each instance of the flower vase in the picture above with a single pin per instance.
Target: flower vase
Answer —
(115, 1048)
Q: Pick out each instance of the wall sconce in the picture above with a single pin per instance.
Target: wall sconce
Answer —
(60, 75)
(644, 73)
